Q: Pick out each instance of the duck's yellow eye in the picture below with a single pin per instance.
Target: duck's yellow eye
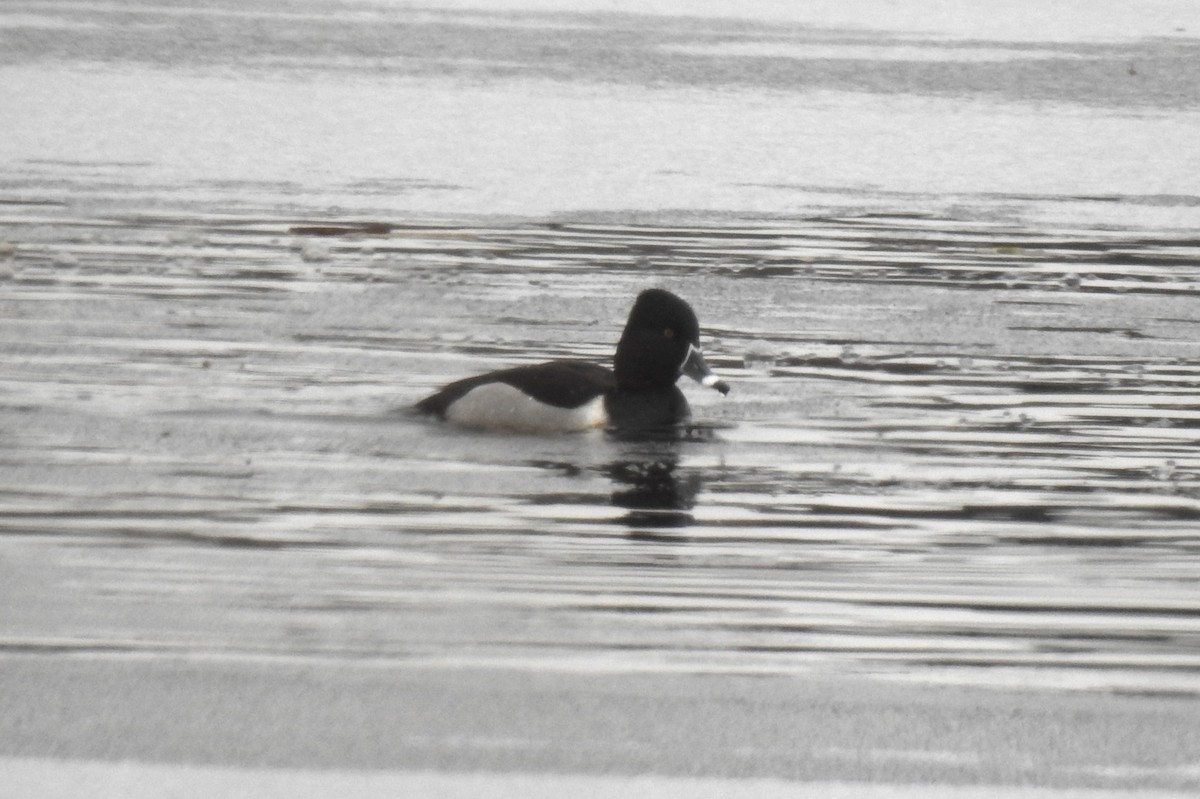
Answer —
(669, 332)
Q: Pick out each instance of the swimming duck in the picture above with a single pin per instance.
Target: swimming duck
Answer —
(660, 343)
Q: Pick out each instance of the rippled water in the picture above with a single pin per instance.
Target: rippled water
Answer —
(948, 266)
(954, 449)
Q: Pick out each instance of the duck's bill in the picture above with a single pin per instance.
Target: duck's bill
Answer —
(695, 368)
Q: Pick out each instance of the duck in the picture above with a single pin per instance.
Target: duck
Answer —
(660, 344)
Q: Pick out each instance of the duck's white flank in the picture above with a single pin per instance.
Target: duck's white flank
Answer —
(499, 406)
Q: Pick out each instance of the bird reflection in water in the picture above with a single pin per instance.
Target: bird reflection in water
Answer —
(649, 483)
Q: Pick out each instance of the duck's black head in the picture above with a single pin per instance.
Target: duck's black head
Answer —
(661, 341)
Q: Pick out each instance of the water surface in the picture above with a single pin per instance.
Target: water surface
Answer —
(957, 310)
(978, 459)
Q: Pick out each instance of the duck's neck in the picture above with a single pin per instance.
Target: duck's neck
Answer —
(638, 365)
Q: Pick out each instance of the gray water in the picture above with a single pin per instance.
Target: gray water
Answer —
(953, 293)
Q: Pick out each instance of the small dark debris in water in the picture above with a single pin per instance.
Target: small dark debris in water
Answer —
(1015, 513)
(1124, 258)
(265, 275)
(1039, 303)
(1105, 541)
(1061, 386)
(245, 542)
(889, 215)
(563, 467)
(1185, 514)
(1127, 332)
(363, 229)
